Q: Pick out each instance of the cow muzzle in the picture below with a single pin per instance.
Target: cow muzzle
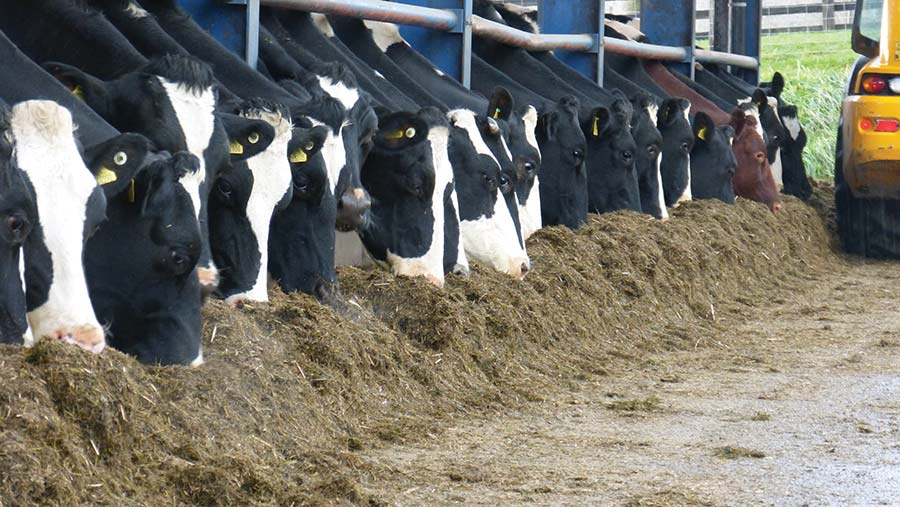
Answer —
(352, 208)
(209, 280)
(88, 337)
(519, 267)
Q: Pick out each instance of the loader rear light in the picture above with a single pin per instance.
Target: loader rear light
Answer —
(874, 84)
(879, 124)
(887, 125)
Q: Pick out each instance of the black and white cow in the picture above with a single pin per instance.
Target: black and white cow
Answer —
(673, 123)
(408, 175)
(244, 199)
(713, 163)
(70, 207)
(302, 235)
(172, 102)
(17, 201)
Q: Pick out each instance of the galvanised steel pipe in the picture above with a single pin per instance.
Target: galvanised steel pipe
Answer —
(533, 42)
(642, 50)
(377, 10)
(744, 62)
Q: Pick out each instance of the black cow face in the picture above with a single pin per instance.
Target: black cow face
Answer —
(518, 131)
(404, 229)
(18, 214)
(489, 233)
(243, 199)
(678, 141)
(171, 101)
(141, 263)
(712, 160)
(70, 206)
(648, 141)
(301, 238)
(796, 182)
(563, 189)
(612, 149)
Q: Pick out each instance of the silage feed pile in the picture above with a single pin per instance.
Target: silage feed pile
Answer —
(293, 389)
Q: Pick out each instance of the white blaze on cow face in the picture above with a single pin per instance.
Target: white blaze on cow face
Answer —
(686, 196)
(652, 111)
(532, 214)
(384, 34)
(334, 152)
(431, 264)
(28, 337)
(46, 151)
(462, 261)
(271, 181)
(492, 240)
(792, 125)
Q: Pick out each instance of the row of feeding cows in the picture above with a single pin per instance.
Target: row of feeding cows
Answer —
(144, 166)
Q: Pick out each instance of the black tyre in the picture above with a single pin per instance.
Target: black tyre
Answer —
(867, 227)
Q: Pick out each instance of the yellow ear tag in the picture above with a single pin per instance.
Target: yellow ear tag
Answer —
(497, 113)
(702, 133)
(236, 148)
(131, 192)
(105, 176)
(78, 92)
(394, 135)
(298, 156)
(596, 126)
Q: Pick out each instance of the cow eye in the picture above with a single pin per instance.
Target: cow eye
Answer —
(652, 150)
(530, 167)
(18, 227)
(627, 155)
(685, 147)
(579, 155)
(225, 189)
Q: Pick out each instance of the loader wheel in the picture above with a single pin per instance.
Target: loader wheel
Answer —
(867, 227)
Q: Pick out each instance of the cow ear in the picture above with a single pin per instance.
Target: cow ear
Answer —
(399, 130)
(91, 90)
(501, 104)
(760, 99)
(728, 132)
(738, 121)
(670, 111)
(622, 109)
(641, 99)
(548, 125)
(777, 84)
(305, 143)
(114, 163)
(246, 137)
(703, 128)
(600, 121)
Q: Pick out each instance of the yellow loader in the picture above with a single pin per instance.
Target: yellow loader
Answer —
(867, 156)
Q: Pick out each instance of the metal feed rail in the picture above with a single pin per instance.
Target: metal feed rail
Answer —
(462, 21)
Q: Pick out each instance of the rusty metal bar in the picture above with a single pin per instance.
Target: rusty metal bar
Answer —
(378, 10)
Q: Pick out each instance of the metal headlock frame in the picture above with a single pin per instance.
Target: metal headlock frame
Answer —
(464, 22)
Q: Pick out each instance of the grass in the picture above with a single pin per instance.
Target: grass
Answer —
(815, 66)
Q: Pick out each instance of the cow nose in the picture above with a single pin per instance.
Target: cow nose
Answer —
(776, 207)
(352, 208)
(323, 290)
(525, 269)
(88, 337)
(461, 270)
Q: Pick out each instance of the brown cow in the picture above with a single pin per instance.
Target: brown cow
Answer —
(753, 177)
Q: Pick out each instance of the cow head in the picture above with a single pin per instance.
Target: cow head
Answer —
(518, 126)
(675, 164)
(243, 199)
(19, 215)
(488, 231)
(796, 182)
(648, 141)
(712, 160)
(141, 263)
(404, 229)
(343, 154)
(301, 239)
(753, 176)
(71, 206)
(612, 178)
(563, 190)
(769, 127)
(171, 101)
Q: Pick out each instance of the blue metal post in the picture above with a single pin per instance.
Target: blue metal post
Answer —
(671, 23)
(571, 17)
(227, 23)
(444, 49)
(752, 34)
